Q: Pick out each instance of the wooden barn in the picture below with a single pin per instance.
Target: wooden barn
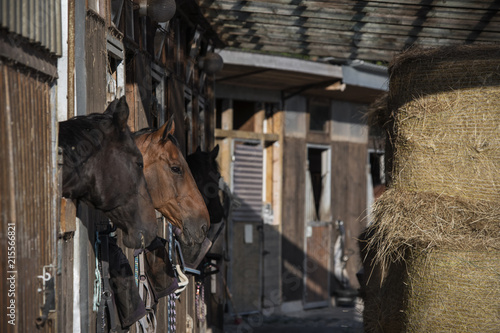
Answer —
(71, 59)
(287, 111)
(295, 147)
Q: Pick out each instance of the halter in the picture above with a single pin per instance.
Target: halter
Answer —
(143, 242)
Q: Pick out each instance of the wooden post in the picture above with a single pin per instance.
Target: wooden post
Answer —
(227, 114)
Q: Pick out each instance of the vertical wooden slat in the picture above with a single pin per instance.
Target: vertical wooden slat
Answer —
(8, 193)
(29, 190)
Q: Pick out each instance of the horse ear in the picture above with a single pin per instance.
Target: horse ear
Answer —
(168, 128)
(111, 107)
(215, 152)
(120, 113)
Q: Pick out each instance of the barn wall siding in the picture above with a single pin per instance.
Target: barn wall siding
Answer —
(348, 204)
(37, 21)
(293, 218)
(96, 60)
(349, 197)
(27, 186)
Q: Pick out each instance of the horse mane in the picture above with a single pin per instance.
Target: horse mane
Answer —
(74, 133)
(149, 130)
(146, 130)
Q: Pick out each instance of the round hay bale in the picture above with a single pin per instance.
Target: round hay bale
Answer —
(383, 292)
(424, 220)
(445, 127)
(453, 291)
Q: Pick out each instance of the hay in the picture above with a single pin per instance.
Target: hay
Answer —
(450, 143)
(435, 291)
(434, 247)
(444, 121)
(424, 220)
(453, 291)
(377, 113)
(420, 72)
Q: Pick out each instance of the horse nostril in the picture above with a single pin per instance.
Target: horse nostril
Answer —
(204, 229)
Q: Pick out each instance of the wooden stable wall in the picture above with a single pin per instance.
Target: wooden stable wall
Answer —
(308, 247)
(29, 135)
(253, 279)
(348, 204)
(349, 195)
(187, 96)
(28, 192)
(294, 157)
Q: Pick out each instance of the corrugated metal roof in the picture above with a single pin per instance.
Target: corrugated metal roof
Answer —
(343, 29)
(38, 21)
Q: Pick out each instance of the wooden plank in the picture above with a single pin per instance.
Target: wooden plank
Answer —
(445, 4)
(227, 115)
(336, 9)
(367, 5)
(317, 267)
(68, 214)
(258, 119)
(260, 32)
(246, 286)
(421, 16)
(269, 174)
(369, 41)
(220, 133)
(321, 51)
(230, 30)
(96, 63)
(294, 156)
(349, 196)
(224, 22)
(439, 3)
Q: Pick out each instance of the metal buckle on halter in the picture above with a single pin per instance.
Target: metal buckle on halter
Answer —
(183, 265)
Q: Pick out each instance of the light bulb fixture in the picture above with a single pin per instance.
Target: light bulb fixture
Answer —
(158, 10)
(211, 63)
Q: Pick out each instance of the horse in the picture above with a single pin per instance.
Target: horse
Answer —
(205, 170)
(173, 188)
(103, 167)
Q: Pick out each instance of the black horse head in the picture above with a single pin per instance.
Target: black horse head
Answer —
(206, 173)
(103, 168)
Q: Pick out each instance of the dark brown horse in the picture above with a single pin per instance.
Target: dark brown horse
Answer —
(205, 170)
(103, 168)
(173, 188)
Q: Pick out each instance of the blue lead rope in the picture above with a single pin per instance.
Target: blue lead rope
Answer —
(136, 270)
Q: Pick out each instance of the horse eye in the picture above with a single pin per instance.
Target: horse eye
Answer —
(176, 170)
(140, 165)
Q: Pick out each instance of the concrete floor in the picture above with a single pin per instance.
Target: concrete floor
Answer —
(323, 320)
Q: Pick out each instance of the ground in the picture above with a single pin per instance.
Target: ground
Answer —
(332, 319)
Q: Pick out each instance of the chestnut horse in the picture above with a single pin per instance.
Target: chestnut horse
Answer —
(103, 167)
(173, 188)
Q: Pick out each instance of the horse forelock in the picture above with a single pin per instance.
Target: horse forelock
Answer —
(199, 162)
(152, 132)
(83, 136)
(142, 131)
(173, 139)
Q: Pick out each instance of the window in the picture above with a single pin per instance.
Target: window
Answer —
(318, 184)
(319, 114)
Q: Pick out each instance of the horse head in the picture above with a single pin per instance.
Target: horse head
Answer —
(173, 188)
(205, 170)
(104, 168)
